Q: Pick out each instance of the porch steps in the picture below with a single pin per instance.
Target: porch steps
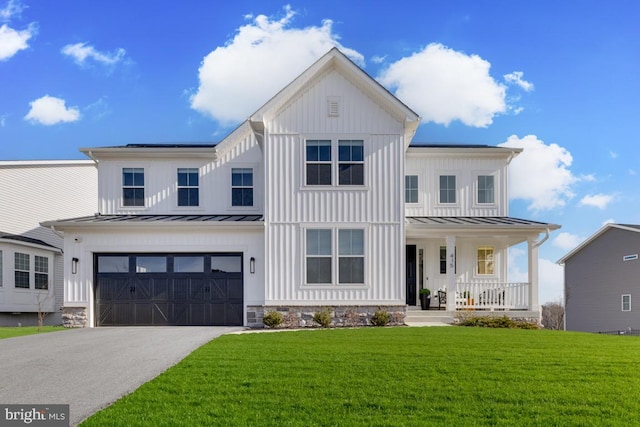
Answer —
(417, 317)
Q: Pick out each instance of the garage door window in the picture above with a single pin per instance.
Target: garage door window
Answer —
(151, 264)
(188, 264)
(113, 264)
(226, 264)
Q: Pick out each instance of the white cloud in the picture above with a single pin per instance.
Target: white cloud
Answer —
(444, 85)
(596, 200)
(13, 41)
(516, 79)
(540, 174)
(551, 281)
(80, 52)
(567, 241)
(613, 154)
(263, 56)
(49, 110)
(13, 7)
(377, 59)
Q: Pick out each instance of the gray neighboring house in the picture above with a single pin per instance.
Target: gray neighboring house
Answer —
(602, 280)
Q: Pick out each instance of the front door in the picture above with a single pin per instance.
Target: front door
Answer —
(411, 275)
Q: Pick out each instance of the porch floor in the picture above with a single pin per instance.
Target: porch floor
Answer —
(418, 317)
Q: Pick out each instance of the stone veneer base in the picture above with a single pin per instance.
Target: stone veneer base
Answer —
(341, 316)
(74, 317)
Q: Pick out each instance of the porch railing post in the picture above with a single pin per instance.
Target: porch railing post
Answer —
(534, 303)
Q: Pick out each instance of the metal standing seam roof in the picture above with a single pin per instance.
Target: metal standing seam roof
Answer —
(476, 221)
(119, 219)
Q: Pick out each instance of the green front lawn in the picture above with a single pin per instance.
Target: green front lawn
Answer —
(394, 377)
(10, 332)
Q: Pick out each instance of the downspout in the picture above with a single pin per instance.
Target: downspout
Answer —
(56, 232)
(90, 154)
(541, 241)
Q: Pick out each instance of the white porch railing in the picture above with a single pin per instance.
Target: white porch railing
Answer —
(492, 296)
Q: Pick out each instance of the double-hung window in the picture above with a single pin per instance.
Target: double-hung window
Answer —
(486, 189)
(350, 162)
(626, 302)
(411, 189)
(133, 187)
(22, 268)
(447, 189)
(351, 256)
(319, 256)
(485, 260)
(41, 272)
(188, 191)
(318, 162)
(322, 258)
(241, 187)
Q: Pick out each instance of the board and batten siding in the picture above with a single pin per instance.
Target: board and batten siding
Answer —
(428, 168)
(596, 277)
(161, 188)
(291, 207)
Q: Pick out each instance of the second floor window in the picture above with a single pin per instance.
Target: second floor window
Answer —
(22, 269)
(133, 187)
(318, 162)
(411, 189)
(486, 189)
(188, 192)
(447, 189)
(350, 163)
(241, 187)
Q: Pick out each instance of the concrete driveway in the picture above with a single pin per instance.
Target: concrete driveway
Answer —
(91, 368)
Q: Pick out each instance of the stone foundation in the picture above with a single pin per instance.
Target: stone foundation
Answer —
(74, 317)
(341, 316)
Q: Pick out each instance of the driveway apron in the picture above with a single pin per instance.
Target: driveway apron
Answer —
(91, 368)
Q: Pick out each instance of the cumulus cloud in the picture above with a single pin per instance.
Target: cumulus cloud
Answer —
(596, 200)
(81, 52)
(515, 78)
(50, 110)
(540, 174)
(444, 85)
(567, 241)
(262, 57)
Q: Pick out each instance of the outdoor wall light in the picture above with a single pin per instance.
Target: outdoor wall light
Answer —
(252, 265)
(74, 265)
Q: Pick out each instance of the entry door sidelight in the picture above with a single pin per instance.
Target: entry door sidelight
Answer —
(411, 275)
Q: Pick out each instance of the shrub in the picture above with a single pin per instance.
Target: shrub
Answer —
(380, 318)
(323, 318)
(272, 319)
(496, 322)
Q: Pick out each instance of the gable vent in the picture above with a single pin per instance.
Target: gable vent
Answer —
(333, 103)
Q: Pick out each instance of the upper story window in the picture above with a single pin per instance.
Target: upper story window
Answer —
(241, 187)
(485, 260)
(486, 189)
(411, 189)
(447, 189)
(188, 191)
(41, 272)
(626, 302)
(350, 162)
(22, 268)
(133, 187)
(318, 158)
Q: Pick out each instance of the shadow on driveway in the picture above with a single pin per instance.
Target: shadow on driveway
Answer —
(91, 368)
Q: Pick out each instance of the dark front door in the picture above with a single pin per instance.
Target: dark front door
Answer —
(411, 275)
(169, 289)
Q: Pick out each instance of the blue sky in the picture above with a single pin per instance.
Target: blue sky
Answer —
(559, 79)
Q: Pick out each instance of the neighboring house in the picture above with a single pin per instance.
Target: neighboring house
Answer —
(302, 207)
(31, 256)
(602, 280)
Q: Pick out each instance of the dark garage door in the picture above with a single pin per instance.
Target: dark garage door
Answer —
(169, 289)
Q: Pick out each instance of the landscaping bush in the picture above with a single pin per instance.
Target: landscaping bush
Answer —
(272, 319)
(323, 318)
(496, 322)
(380, 318)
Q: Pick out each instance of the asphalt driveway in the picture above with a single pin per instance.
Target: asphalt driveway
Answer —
(91, 368)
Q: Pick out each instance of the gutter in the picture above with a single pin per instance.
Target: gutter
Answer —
(541, 241)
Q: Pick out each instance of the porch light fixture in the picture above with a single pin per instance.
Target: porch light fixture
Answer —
(74, 265)
(252, 265)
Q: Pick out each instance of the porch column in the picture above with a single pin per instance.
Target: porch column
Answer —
(534, 303)
(451, 273)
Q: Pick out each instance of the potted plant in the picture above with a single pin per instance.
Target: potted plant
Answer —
(425, 298)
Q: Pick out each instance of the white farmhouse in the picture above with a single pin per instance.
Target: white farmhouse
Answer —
(317, 201)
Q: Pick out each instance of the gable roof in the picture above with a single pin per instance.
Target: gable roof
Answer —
(27, 241)
(334, 59)
(628, 227)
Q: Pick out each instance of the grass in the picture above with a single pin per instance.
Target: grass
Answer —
(10, 332)
(393, 377)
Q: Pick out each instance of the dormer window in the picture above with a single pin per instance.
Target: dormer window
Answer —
(133, 187)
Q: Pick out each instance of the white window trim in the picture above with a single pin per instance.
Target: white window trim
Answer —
(256, 187)
(476, 188)
(335, 162)
(199, 207)
(495, 261)
(622, 302)
(335, 257)
(120, 168)
(437, 188)
(413, 173)
(253, 187)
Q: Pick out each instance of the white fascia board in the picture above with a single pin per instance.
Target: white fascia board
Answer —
(463, 151)
(37, 163)
(30, 245)
(149, 152)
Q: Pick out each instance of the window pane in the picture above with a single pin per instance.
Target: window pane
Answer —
(318, 174)
(41, 264)
(318, 151)
(485, 260)
(351, 174)
(626, 302)
(351, 270)
(113, 264)
(318, 270)
(188, 264)
(22, 279)
(351, 242)
(447, 189)
(411, 188)
(485, 189)
(226, 264)
(350, 151)
(151, 264)
(319, 242)
(42, 281)
(22, 261)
